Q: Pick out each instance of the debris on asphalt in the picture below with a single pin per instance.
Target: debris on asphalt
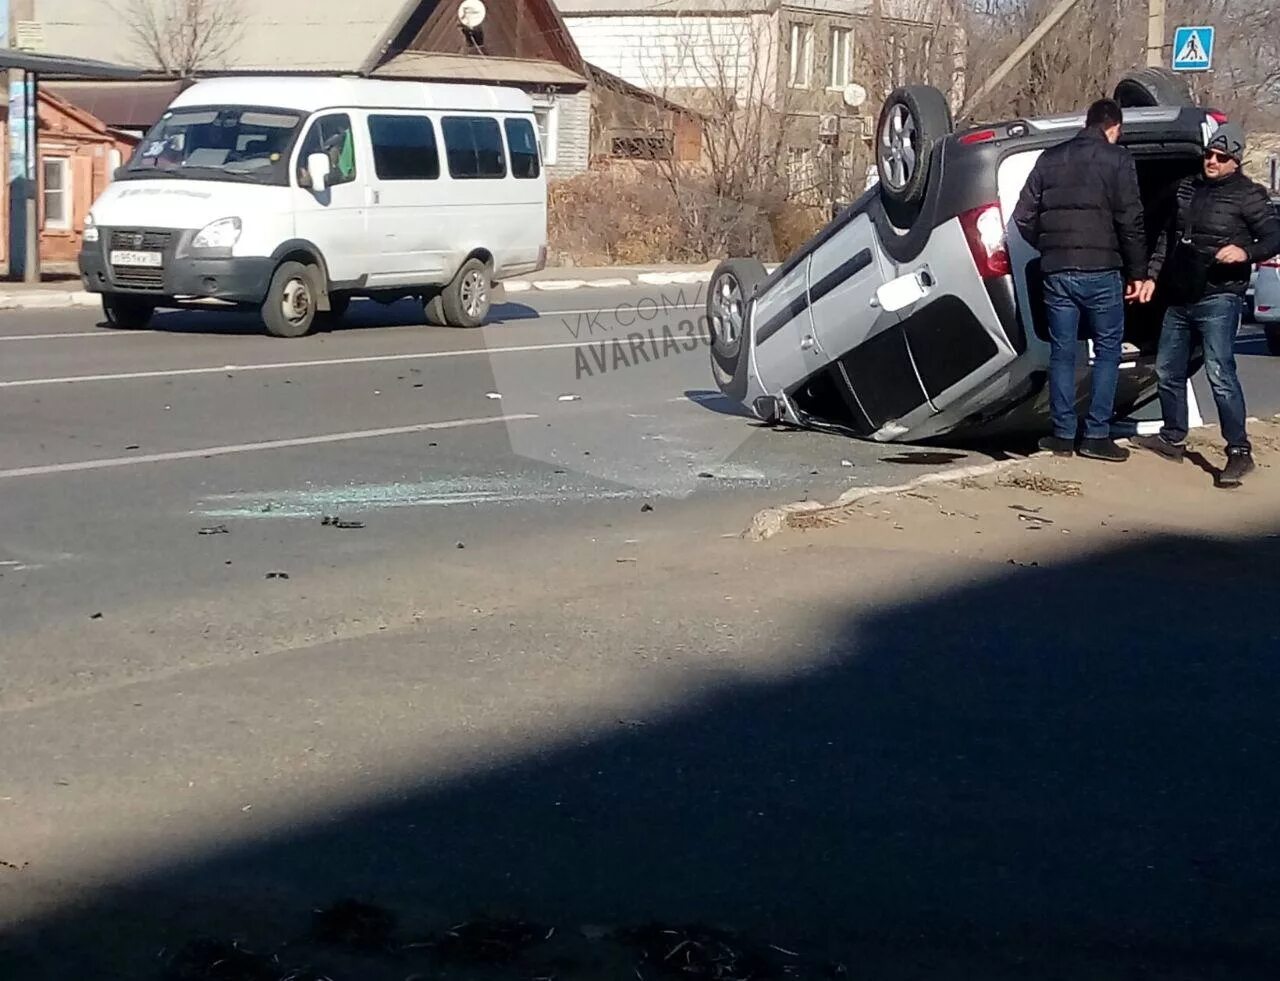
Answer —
(1040, 484)
(461, 545)
(1024, 565)
(646, 508)
(704, 953)
(277, 575)
(487, 941)
(1035, 518)
(351, 923)
(133, 447)
(569, 398)
(846, 463)
(215, 530)
(96, 616)
(626, 560)
(706, 474)
(217, 960)
(492, 395)
(333, 521)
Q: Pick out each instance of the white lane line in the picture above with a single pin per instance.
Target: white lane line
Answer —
(318, 363)
(59, 336)
(609, 311)
(275, 444)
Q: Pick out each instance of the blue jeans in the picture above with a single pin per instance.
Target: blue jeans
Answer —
(1099, 297)
(1215, 319)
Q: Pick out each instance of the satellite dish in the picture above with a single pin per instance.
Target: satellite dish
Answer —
(471, 13)
(854, 95)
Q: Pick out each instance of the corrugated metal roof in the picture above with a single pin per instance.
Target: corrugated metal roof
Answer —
(470, 68)
(135, 106)
(48, 64)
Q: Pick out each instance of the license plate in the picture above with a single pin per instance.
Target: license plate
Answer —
(151, 260)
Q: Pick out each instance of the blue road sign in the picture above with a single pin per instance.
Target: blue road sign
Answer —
(1193, 49)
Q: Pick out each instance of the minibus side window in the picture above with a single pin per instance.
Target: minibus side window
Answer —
(332, 136)
(523, 145)
(473, 145)
(404, 148)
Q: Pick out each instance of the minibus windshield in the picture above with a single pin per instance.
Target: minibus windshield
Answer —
(237, 143)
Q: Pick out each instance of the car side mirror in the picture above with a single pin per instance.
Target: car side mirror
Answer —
(318, 172)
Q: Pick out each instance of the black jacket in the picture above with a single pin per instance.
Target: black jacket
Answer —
(1082, 209)
(1210, 214)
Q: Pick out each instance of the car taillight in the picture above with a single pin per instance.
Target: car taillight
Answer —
(978, 136)
(1217, 115)
(984, 230)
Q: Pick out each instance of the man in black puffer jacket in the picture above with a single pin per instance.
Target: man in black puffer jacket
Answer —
(1223, 224)
(1082, 209)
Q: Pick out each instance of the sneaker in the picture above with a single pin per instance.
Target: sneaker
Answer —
(1165, 448)
(1103, 449)
(1058, 446)
(1239, 463)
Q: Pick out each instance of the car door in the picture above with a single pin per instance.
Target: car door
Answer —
(333, 220)
(408, 228)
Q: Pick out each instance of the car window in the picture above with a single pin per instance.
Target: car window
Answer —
(332, 136)
(404, 148)
(474, 147)
(523, 145)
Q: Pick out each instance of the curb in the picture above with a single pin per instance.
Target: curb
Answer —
(771, 521)
(62, 299)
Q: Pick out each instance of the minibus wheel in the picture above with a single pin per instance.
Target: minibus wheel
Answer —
(289, 309)
(465, 301)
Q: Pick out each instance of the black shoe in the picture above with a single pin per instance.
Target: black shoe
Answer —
(1162, 446)
(1058, 446)
(1103, 449)
(1239, 463)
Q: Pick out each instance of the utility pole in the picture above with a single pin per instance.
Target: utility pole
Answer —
(1155, 33)
(24, 238)
(1060, 10)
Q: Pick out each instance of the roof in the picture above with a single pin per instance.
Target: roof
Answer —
(608, 80)
(133, 106)
(300, 35)
(47, 64)
(304, 94)
(469, 68)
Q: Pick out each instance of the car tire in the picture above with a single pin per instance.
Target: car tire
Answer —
(127, 312)
(732, 287)
(433, 306)
(1143, 88)
(466, 300)
(914, 119)
(289, 309)
(1272, 333)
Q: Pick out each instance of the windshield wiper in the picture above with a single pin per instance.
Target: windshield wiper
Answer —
(198, 174)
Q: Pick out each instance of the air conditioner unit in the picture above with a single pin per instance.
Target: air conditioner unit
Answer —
(828, 124)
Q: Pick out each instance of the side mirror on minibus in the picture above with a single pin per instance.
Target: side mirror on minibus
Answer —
(318, 169)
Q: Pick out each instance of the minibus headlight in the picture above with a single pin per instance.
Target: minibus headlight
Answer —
(220, 234)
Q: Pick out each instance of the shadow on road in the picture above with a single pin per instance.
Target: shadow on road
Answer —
(1063, 772)
(362, 315)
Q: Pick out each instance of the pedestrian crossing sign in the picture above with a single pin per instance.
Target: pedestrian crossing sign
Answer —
(1193, 49)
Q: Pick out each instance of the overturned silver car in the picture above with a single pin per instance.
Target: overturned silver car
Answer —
(917, 313)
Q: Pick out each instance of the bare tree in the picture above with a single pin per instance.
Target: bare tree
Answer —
(180, 37)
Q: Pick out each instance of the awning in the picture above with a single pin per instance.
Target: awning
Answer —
(44, 64)
(471, 68)
(121, 105)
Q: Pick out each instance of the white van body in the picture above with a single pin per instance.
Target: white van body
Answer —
(423, 178)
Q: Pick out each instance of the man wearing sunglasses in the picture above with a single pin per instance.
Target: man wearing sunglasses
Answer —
(1222, 225)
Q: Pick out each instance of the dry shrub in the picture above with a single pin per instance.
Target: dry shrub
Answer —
(616, 216)
(794, 225)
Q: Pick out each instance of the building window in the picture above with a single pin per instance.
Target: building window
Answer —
(841, 57)
(548, 119)
(404, 148)
(801, 56)
(57, 193)
(656, 146)
(802, 176)
(474, 147)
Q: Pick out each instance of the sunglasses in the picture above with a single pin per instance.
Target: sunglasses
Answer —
(1217, 157)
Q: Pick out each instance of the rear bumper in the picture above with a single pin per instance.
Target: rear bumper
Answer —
(234, 279)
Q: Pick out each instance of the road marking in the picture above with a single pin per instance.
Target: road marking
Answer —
(56, 336)
(275, 444)
(317, 363)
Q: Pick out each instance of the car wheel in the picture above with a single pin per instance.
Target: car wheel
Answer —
(1143, 88)
(1272, 332)
(289, 309)
(127, 312)
(732, 287)
(914, 120)
(466, 300)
